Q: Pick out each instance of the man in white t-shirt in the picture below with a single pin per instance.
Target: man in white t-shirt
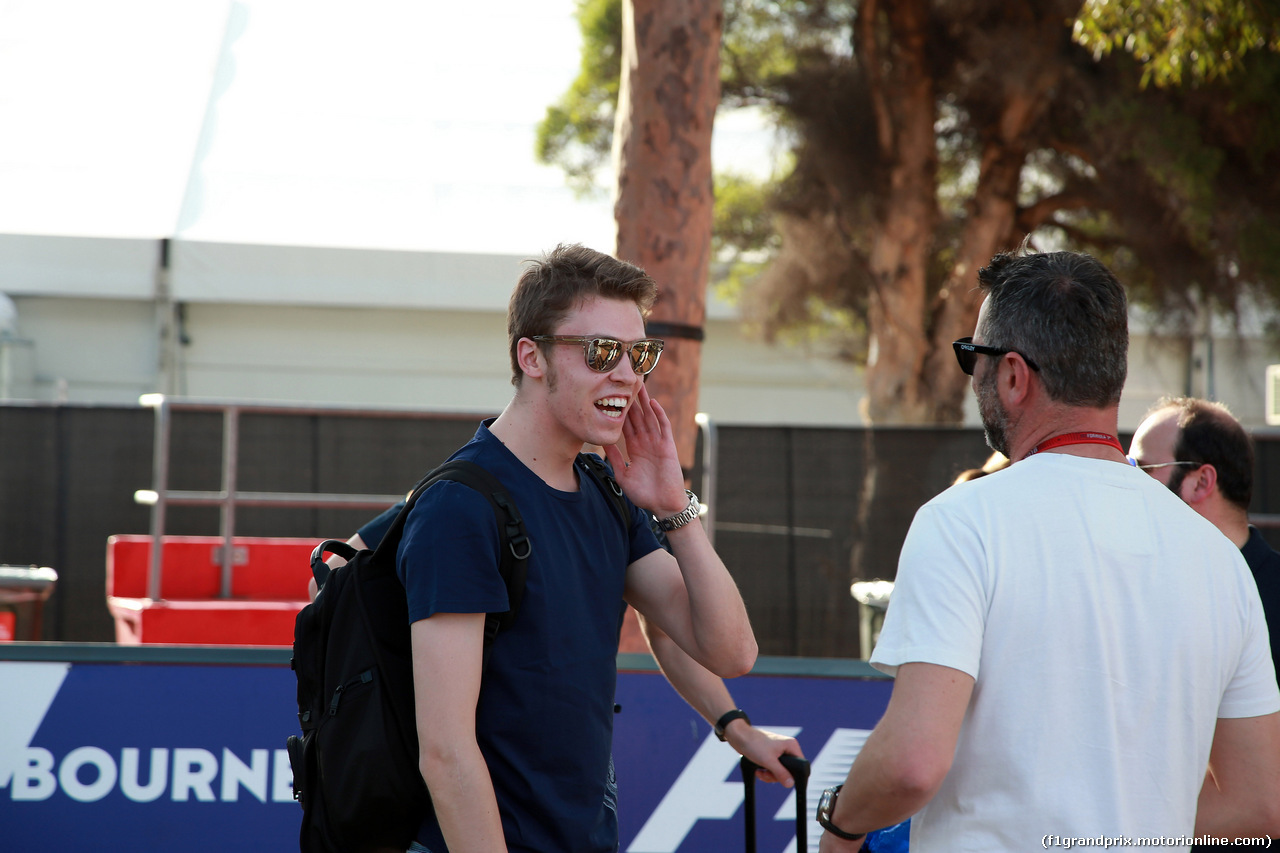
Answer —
(1069, 663)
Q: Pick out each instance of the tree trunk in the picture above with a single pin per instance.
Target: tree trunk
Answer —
(989, 229)
(991, 226)
(894, 40)
(667, 101)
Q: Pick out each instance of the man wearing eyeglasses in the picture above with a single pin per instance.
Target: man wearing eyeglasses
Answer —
(1056, 677)
(520, 761)
(1204, 455)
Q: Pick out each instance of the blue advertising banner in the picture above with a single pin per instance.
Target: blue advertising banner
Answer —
(190, 756)
(679, 788)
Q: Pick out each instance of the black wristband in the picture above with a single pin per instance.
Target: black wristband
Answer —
(728, 717)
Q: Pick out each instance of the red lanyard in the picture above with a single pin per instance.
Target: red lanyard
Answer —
(1076, 438)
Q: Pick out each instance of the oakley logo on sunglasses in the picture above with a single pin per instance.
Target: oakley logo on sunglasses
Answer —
(967, 353)
(602, 354)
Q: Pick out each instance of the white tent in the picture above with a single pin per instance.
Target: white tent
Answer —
(383, 126)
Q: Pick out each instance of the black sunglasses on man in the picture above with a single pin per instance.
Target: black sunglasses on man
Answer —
(967, 353)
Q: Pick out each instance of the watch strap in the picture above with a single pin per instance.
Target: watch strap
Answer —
(728, 717)
(680, 519)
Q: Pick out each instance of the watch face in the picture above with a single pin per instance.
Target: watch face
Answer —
(826, 802)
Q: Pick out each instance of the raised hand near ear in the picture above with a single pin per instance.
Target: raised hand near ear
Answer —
(650, 473)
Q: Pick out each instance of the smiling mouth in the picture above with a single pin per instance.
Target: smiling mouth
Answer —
(612, 406)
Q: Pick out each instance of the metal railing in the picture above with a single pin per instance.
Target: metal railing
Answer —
(159, 497)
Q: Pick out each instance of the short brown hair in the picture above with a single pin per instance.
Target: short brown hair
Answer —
(553, 285)
(1208, 434)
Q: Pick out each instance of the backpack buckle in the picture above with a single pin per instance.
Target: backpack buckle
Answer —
(519, 544)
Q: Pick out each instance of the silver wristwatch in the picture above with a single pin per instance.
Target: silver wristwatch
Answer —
(680, 519)
(827, 805)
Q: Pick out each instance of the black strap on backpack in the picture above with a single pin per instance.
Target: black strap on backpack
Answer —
(599, 472)
(515, 546)
(594, 466)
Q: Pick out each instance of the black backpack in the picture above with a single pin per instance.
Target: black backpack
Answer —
(355, 767)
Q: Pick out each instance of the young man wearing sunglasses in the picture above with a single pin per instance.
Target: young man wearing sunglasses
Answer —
(520, 760)
(1204, 456)
(1072, 646)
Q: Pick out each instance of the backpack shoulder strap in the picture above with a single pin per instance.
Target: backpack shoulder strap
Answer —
(515, 545)
(599, 472)
(594, 466)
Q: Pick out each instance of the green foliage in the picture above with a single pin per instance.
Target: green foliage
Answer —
(1260, 250)
(577, 132)
(1252, 100)
(1168, 146)
(1187, 197)
(1192, 41)
(764, 42)
(744, 238)
(743, 220)
(1175, 185)
(767, 41)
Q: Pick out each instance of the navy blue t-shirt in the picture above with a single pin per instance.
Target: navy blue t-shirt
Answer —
(1264, 562)
(544, 720)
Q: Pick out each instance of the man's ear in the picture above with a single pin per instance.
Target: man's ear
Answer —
(1015, 379)
(1200, 484)
(531, 358)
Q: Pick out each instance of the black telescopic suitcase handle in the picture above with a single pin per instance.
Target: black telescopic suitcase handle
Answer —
(799, 770)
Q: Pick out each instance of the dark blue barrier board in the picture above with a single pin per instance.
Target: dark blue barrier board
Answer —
(156, 756)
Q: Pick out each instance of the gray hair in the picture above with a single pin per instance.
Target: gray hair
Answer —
(1066, 312)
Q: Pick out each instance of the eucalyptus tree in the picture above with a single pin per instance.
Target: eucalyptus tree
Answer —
(929, 134)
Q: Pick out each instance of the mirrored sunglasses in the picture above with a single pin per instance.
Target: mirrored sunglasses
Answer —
(603, 354)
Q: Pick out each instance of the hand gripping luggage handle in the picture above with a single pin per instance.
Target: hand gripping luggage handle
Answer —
(799, 770)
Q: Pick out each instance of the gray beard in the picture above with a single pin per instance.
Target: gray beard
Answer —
(995, 420)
